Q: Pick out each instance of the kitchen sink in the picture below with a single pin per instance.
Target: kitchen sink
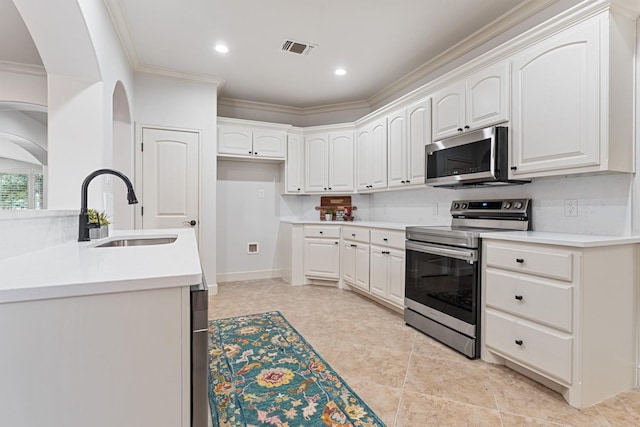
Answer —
(137, 241)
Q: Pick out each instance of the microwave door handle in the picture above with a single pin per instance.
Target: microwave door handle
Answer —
(466, 255)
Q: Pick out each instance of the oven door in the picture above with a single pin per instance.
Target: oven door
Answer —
(442, 283)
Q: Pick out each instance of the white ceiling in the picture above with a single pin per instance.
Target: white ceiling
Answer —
(378, 42)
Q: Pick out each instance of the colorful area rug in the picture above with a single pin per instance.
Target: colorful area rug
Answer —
(262, 372)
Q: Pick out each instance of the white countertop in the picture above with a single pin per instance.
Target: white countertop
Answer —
(369, 224)
(562, 239)
(79, 268)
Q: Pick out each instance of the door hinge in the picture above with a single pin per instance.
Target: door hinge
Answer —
(141, 210)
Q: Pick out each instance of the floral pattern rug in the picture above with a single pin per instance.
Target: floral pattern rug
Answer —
(262, 372)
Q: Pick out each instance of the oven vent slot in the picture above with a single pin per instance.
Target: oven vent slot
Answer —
(297, 47)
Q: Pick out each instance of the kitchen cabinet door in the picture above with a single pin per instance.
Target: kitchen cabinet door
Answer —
(396, 263)
(235, 140)
(363, 159)
(322, 258)
(418, 135)
(556, 102)
(341, 162)
(449, 111)
(294, 166)
(378, 283)
(378, 165)
(487, 96)
(397, 149)
(348, 257)
(362, 266)
(316, 165)
(269, 144)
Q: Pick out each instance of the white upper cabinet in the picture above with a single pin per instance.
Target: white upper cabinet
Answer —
(572, 98)
(341, 161)
(409, 131)
(481, 100)
(329, 162)
(371, 156)
(294, 166)
(251, 140)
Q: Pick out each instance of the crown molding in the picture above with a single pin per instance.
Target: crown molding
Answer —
(15, 67)
(118, 16)
(306, 111)
(473, 41)
(168, 72)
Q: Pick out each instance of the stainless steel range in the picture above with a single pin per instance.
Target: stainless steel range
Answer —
(442, 280)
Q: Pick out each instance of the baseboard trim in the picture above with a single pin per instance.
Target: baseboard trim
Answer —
(248, 275)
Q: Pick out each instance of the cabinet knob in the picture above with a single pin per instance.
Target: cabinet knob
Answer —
(519, 342)
(329, 188)
(408, 182)
(325, 188)
(250, 152)
(335, 243)
(519, 260)
(466, 127)
(385, 239)
(402, 182)
(322, 232)
(386, 252)
(354, 246)
(298, 189)
(255, 153)
(514, 168)
(459, 129)
(519, 297)
(353, 234)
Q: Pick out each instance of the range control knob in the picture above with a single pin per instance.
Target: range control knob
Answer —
(507, 205)
(456, 206)
(464, 206)
(517, 205)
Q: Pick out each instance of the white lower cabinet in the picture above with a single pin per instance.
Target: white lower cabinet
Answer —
(387, 274)
(355, 256)
(562, 315)
(322, 252)
(387, 265)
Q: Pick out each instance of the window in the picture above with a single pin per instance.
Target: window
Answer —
(21, 189)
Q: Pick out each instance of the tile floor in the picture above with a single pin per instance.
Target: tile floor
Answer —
(407, 378)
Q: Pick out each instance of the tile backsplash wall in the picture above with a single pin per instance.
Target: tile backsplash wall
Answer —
(604, 203)
(28, 231)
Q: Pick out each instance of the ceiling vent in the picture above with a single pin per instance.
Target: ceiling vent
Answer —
(298, 47)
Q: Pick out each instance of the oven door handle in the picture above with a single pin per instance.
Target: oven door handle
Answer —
(470, 256)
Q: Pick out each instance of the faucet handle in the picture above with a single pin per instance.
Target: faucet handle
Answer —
(93, 224)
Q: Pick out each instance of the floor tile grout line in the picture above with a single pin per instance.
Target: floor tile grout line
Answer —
(406, 376)
(602, 415)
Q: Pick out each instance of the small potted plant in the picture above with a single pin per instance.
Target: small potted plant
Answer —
(329, 215)
(103, 220)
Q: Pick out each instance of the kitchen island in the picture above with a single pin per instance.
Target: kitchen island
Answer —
(98, 336)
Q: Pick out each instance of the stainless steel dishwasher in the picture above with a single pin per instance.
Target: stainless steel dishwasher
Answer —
(199, 343)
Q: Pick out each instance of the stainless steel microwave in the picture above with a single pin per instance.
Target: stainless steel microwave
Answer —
(472, 159)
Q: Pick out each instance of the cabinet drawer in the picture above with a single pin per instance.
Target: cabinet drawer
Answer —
(394, 239)
(533, 298)
(359, 234)
(322, 231)
(538, 348)
(532, 259)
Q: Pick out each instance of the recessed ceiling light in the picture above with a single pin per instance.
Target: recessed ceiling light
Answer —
(340, 72)
(221, 48)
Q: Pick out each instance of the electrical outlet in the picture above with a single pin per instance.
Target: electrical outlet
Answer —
(261, 193)
(570, 207)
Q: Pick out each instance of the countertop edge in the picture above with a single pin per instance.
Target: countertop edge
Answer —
(561, 239)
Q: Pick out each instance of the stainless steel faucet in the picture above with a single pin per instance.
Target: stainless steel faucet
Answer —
(84, 225)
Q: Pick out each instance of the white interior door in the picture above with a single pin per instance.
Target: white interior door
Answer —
(170, 178)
